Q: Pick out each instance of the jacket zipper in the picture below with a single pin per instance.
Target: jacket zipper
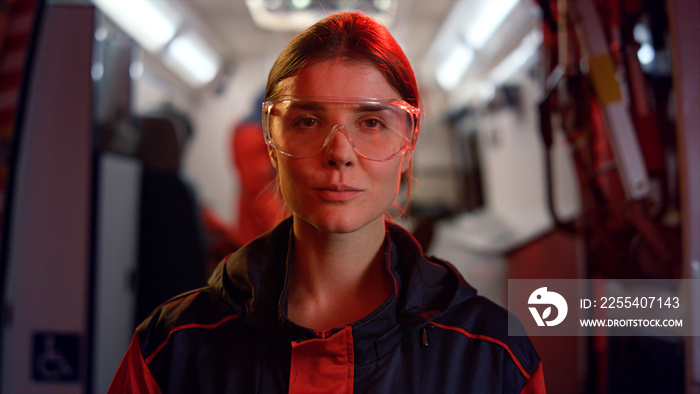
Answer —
(424, 334)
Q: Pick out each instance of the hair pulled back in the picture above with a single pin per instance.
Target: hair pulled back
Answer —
(351, 36)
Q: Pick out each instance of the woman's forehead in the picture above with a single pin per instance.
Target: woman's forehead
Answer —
(338, 78)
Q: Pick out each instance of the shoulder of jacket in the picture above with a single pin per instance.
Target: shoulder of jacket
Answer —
(202, 307)
(477, 315)
(480, 319)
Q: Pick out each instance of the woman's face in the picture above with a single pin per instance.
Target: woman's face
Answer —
(336, 190)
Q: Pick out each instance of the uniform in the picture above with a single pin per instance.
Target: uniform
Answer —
(434, 334)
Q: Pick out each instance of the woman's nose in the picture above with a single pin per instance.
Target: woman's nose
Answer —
(339, 151)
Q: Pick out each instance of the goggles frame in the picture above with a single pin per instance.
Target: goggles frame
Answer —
(415, 114)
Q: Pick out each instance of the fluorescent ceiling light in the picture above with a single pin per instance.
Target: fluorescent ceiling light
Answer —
(493, 13)
(295, 15)
(301, 4)
(450, 72)
(641, 33)
(646, 54)
(192, 59)
(149, 27)
(516, 59)
(383, 4)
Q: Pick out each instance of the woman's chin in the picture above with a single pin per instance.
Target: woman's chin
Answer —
(342, 223)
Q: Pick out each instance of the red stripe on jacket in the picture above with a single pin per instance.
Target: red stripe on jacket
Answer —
(186, 326)
(133, 375)
(535, 382)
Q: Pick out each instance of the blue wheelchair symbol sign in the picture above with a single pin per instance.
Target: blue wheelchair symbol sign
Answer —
(56, 357)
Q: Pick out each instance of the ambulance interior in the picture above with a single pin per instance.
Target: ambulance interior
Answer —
(534, 161)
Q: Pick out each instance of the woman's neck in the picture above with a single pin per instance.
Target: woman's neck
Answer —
(336, 279)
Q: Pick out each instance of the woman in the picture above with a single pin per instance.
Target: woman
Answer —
(335, 298)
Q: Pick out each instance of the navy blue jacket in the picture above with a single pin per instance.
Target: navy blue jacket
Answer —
(434, 334)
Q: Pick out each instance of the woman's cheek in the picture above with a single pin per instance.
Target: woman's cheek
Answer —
(291, 185)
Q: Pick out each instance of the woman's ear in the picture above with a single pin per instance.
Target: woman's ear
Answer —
(273, 156)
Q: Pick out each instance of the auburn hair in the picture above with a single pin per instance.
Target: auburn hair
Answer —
(351, 36)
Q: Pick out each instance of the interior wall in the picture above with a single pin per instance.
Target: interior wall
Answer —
(208, 162)
(49, 248)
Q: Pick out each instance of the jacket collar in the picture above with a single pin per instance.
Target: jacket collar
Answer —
(253, 280)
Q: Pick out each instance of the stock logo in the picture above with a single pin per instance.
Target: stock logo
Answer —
(543, 297)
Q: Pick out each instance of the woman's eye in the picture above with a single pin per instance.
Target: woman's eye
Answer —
(371, 123)
(306, 122)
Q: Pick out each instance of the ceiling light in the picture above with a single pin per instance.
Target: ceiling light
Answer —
(296, 15)
(301, 4)
(382, 4)
(493, 13)
(192, 59)
(450, 72)
(274, 5)
(641, 33)
(146, 24)
(516, 59)
(646, 54)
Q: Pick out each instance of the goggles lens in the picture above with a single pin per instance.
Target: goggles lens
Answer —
(377, 129)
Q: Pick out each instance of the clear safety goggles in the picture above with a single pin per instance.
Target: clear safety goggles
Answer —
(378, 130)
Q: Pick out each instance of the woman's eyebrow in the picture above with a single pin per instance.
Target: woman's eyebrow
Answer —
(307, 106)
(320, 107)
(371, 108)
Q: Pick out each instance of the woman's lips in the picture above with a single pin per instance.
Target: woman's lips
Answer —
(337, 193)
